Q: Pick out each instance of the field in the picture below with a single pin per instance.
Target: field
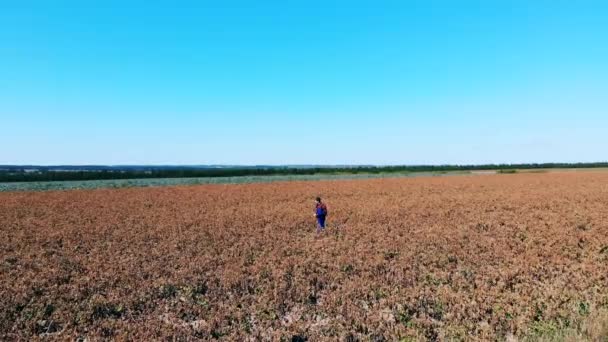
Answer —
(505, 256)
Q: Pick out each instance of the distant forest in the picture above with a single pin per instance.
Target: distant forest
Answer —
(31, 173)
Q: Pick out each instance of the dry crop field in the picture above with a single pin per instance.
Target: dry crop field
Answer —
(468, 257)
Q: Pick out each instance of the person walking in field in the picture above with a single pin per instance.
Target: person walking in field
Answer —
(320, 214)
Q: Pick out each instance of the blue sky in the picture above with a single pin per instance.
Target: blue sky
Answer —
(303, 82)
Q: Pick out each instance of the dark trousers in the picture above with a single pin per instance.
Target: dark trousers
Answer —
(321, 221)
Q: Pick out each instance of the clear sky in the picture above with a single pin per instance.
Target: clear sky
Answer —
(303, 82)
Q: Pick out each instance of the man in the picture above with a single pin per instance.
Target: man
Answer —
(320, 214)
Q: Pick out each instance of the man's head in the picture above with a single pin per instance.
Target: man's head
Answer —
(318, 199)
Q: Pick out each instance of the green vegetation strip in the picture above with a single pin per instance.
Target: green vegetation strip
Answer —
(34, 173)
(146, 182)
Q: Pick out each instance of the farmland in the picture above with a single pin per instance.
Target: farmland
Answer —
(505, 256)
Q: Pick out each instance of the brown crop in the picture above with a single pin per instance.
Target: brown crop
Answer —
(467, 257)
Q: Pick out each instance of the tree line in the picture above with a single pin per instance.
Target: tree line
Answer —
(34, 174)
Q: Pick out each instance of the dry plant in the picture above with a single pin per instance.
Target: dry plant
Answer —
(497, 257)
